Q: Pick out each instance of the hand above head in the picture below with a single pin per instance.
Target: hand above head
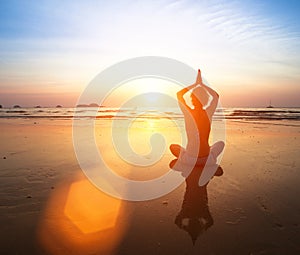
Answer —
(186, 89)
(199, 78)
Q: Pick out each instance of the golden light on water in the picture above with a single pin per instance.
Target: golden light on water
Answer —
(151, 124)
(144, 127)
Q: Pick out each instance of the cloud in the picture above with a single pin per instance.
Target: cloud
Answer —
(69, 42)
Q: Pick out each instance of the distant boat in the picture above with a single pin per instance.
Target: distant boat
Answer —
(270, 105)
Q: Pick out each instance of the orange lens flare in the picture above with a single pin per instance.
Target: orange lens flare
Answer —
(80, 219)
(91, 210)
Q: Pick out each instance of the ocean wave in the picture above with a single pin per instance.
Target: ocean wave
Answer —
(259, 114)
(249, 114)
(13, 111)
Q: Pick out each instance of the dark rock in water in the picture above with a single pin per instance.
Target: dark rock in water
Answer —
(0, 106)
(93, 105)
(88, 105)
(4, 157)
(29, 196)
(38, 106)
(58, 106)
(17, 106)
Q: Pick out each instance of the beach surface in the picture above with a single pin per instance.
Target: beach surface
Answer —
(48, 206)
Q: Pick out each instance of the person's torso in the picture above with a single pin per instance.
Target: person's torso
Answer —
(198, 130)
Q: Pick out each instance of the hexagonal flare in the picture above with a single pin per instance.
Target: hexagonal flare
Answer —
(89, 209)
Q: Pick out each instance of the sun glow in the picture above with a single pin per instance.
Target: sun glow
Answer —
(143, 92)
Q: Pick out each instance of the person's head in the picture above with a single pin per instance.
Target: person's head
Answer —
(199, 97)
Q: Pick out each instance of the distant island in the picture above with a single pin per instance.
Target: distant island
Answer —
(57, 106)
(88, 105)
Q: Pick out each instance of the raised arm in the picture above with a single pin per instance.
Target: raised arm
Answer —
(215, 96)
(181, 102)
(181, 92)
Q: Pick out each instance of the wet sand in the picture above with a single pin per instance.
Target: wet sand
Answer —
(48, 206)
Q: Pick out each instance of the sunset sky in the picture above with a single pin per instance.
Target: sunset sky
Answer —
(249, 51)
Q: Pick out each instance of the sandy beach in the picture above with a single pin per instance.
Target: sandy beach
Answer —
(48, 206)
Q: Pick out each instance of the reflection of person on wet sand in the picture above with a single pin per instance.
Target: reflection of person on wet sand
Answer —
(194, 216)
(198, 125)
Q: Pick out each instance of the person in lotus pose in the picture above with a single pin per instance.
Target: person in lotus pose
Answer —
(198, 126)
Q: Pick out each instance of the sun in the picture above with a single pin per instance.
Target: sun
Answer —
(146, 91)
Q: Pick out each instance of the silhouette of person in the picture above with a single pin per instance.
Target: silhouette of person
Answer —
(194, 216)
(198, 126)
